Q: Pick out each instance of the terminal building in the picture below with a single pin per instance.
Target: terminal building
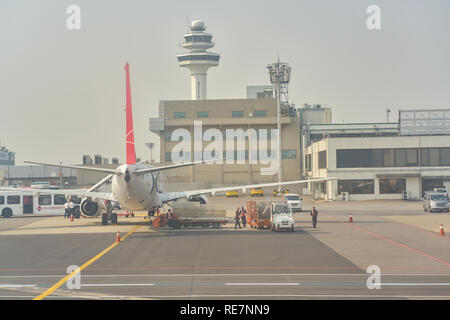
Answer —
(379, 160)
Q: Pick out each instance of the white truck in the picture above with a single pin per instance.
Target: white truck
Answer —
(281, 217)
(294, 200)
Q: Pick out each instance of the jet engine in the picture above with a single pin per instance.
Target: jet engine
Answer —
(91, 208)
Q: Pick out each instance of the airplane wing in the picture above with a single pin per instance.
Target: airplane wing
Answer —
(116, 172)
(76, 192)
(170, 196)
(104, 170)
(157, 169)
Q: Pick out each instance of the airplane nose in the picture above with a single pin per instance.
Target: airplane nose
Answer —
(127, 176)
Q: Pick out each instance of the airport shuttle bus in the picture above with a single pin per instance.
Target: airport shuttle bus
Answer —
(21, 203)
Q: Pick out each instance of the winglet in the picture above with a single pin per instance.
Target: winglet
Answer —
(131, 153)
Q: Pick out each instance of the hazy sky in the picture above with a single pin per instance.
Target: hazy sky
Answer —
(62, 92)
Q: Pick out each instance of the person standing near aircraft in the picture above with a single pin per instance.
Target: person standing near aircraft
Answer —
(243, 217)
(237, 218)
(71, 207)
(314, 215)
(66, 210)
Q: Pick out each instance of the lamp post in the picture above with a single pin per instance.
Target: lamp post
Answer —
(279, 74)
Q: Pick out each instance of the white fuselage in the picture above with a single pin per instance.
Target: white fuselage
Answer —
(135, 192)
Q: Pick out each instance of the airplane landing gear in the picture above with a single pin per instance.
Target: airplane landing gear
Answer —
(106, 217)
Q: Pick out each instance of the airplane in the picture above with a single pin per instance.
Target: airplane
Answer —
(135, 185)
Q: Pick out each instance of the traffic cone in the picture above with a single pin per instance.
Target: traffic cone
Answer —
(71, 217)
(118, 236)
(441, 230)
(350, 219)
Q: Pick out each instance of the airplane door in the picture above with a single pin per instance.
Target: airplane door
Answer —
(27, 204)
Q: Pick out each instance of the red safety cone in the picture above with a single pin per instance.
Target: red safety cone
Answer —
(118, 236)
(350, 219)
(441, 230)
(71, 217)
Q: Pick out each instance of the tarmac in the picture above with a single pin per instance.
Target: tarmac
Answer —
(329, 262)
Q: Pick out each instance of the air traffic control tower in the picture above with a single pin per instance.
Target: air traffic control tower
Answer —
(198, 60)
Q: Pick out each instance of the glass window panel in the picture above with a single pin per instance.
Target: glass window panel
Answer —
(260, 113)
(237, 114)
(13, 199)
(424, 157)
(59, 199)
(434, 156)
(388, 157)
(202, 114)
(45, 200)
(444, 156)
(392, 186)
(179, 115)
(411, 157)
(2, 199)
(400, 157)
(289, 154)
(356, 186)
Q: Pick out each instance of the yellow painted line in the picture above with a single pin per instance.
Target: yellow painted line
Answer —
(84, 266)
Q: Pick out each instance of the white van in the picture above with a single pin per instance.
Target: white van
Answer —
(435, 201)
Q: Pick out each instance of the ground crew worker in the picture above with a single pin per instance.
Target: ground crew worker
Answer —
(170, 214)
(71, 207)
(237, 218)
(314, 215)
(243, 217)
(66, 210)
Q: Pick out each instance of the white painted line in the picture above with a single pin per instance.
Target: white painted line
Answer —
(262, 284)
(117, 284)
(412, 284)
(17, 285)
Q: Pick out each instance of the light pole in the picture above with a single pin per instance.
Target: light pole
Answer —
(150, 146)
(279, 73)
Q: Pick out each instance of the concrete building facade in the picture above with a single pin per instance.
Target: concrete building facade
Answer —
(232, 114)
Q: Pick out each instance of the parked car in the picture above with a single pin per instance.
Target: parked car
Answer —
(435, 201)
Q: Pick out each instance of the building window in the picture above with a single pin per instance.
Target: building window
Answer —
(356, 186)
(59, 199)
(289, 154)
(237, 114)
(444, 157)
(260, 113)
(167, 136)
(308, 162)
(2, 199)
(392, 186)
(202, 114)
(168, 156)
(179, 115)
(323, 159)
(367, 158)
(13, 199)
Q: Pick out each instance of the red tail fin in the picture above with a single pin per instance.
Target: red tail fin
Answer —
(131, 153)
